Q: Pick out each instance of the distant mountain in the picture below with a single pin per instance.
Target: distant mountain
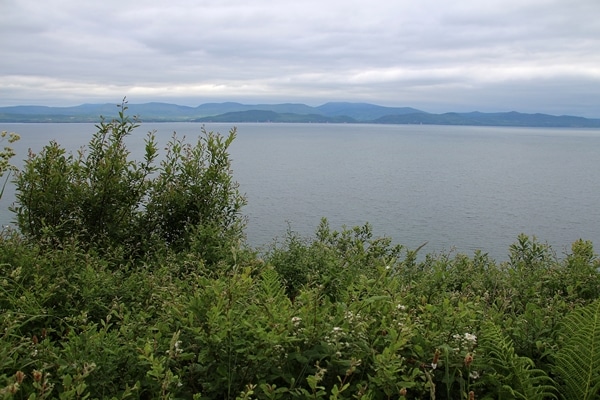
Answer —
(491, 119)
(339, 112)
(81, 113)
(161, 110)
(364, 111)
(272, 116)
(211, 109)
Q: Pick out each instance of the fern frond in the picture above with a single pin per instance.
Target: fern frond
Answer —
(577, 361)
(271, 285)
(514, 376)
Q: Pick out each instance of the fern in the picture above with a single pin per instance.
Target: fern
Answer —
(513, 376)
(271, 296)
(270, 285)
(577, 361)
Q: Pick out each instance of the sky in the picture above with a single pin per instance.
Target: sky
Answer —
(434, 55)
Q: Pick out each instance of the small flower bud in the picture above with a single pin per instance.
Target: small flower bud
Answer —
(13, 389)
(19, 376)
(436, 358)
(469, 359)
(37, 375)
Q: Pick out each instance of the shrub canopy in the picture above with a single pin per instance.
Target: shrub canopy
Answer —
(105, 201)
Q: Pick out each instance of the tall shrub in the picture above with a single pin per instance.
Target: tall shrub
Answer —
(107, 202)
(194, 201)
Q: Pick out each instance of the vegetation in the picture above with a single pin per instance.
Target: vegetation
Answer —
(110, 204)
(131, 279)
(5, 155)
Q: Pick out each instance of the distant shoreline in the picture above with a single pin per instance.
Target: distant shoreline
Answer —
(338, 113)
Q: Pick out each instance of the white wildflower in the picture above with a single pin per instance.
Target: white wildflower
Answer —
(469, 337)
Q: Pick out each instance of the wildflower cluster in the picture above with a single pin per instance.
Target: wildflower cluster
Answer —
(175, 350)
(466, 341)
(335, 339)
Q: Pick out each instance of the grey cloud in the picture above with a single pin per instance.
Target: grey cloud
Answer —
(539, 55)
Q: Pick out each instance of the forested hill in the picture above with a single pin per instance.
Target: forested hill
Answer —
(289, 112)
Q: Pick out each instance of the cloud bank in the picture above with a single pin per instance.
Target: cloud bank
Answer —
(529, 56)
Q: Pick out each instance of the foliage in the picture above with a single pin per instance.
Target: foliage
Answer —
(161, 299)
(333, 259)
(195, 184)
(576, 360)
(5, 155)
(109, 203)
(512, 376)
(73, 326)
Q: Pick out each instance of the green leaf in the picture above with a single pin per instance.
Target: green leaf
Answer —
(577, 359)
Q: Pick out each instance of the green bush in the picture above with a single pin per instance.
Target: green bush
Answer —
(110, 204)
(74, 327)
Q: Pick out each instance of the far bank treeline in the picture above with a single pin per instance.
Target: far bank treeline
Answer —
(339, 112)
(132, 279)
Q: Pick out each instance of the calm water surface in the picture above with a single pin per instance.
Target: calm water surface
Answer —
(457, 188)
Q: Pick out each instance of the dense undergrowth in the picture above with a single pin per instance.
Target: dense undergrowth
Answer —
(118, 290)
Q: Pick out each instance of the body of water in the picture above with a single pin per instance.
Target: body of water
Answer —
(457, 188)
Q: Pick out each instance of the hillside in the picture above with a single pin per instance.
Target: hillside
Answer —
(272, 116)
(492, 119)
(335, 112)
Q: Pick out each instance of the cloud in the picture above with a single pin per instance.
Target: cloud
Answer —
(433, 54)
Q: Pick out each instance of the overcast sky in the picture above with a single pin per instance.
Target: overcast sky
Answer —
(436, 55)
